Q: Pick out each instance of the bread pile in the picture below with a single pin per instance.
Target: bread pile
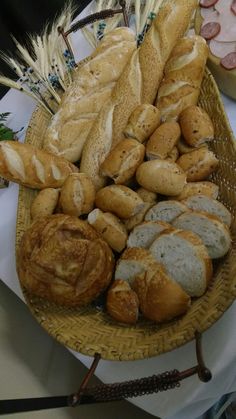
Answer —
(142, 194)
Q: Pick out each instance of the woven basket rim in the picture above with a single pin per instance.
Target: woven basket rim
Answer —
(136, 342)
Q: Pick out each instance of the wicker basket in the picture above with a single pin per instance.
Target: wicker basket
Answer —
(91, 330)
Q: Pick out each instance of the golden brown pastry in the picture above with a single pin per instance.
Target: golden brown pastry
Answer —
(196, 126)
(77, 195)
(120, 200)
(122, 162)
(198, 164)
(161, 299)
(44, 203)
(122, 302)
(63, 259)
(162, 141)
(32, 167)
(142, 122)
(110, 227)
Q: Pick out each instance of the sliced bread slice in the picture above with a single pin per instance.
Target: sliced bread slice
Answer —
(214, 234)
(145, 233)
(212, 206)
(166, 211)
(185, 259)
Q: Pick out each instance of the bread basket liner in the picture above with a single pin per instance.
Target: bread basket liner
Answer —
(90, 330)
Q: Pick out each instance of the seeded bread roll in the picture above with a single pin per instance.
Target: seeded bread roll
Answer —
(147, 196)
(192, 188)
(161, 299)
(162, 141)
(77, 195)
(135, 220)
(119, 200)
(198, 164)
(161, 176)
(110, 227)
(44, 203)
(142, 122)
(122, 302)
(145, 233)
(122, 162)
(183, 147)
(166, 211)
(196, 126)
(209, 205)
(185, 259)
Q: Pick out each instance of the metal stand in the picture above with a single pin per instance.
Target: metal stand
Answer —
(111, 392)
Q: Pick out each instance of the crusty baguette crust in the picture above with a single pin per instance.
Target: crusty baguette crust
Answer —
(142, 122)
(32, 167)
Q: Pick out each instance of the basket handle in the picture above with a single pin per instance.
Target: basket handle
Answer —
(111, 392)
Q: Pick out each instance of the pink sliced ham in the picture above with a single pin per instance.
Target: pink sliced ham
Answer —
(221, 49)
(222, 13)
(233, 7)
(210, 30)
(229, 61)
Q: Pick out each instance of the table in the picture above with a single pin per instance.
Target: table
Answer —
(219, 343)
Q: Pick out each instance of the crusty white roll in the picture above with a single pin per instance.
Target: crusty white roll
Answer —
(137, 85)
(198, 164)
(196, 126)
(147, 196)
(183, 76)
(122, 302)
(161, 299)
(173, 155)
(110, 227)
(135, 220)
(184, 148)
(142, 122)
(120, 200)
(192, 188)
(77, 195)
(32, 167)
(161, 176)
(44, 203)
(122, 162)
(162, 141)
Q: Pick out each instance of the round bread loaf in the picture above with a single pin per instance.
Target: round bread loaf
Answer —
(77, 195)
(44, 203)
(196, 126)
(161, 176)
(122, 302)
(198, 164)
(142, 122)
(162, 141)
(63, 259)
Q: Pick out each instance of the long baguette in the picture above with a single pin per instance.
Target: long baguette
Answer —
(137, 84)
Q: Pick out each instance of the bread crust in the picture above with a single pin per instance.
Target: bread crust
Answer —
(192, 188)
(44, 203)
(196, 126)
(77, 195)
(198, 164)
(163, 140)
(122, 302)
(142, 122)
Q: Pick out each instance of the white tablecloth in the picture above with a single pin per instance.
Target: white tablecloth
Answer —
(219, 342)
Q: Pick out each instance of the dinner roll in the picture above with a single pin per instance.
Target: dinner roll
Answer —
(122, 302)
(166, 211)
(209, 205)
(122, 162)
(77, 195)
(63, 259)
(120, 200)
(145, 233)
(142, 122)
(173, 155)
(192, 188)
(183, 147)
(162, 141)
(44, 203)
(161, 176)
(161, 299)
(196, 126)
(198, 164)
(185, 258)
(136, 219)
(147, 196)
(110, 227)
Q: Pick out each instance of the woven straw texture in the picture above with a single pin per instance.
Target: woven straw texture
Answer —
(91, 330)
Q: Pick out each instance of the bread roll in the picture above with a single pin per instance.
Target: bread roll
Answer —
(185, 259)
(44, 203)
(147, 196)
(173, 155)
(137, 85)
(166, 211)
(192, 188)
(91, 89)
(122, 302)
(198, 164)
(196, 126)
(161, 299)
(183, 147)
(162, 177)
(63, 259)
(209, 205)
(145, 233)
(110, 227)
(135, 220)
(142, 122)
(122, 162)
(29, 166)
(77, 195)
(183, 75)
(119, 200)
(162, 141)
(213, 233)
